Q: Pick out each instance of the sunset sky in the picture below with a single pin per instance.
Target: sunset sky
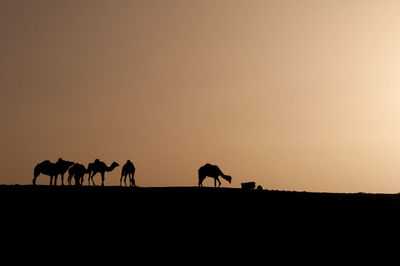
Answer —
(292, 94)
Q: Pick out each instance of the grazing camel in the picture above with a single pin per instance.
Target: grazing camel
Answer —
(128, 170)
(214, 172)
(51, 169)
(77, 171)
(99, 167)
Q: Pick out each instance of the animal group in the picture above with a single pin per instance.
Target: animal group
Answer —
(77, 172)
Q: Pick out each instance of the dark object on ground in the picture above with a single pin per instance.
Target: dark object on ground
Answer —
(248, 185)
(259, 187)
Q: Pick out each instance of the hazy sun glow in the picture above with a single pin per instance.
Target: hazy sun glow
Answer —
(295, 95)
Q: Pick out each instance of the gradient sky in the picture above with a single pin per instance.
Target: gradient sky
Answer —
(294, 95)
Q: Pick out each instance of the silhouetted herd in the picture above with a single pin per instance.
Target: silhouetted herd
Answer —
(78, 171)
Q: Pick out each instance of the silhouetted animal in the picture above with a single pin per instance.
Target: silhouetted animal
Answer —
(77, 171)
(51, 169)
(259, 187)
(46, 168)
(90, 168)
(128, 170)
(99, 167)
(62, 167)
(212, 171)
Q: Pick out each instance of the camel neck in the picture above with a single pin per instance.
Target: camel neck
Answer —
(110, 168)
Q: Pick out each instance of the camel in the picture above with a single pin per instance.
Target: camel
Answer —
(51, 169)
(99, 167)
(128, 170)
(62, 169)
(212, 171)
(77, 171)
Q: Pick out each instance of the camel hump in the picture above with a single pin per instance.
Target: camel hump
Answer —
(208, 165)
(210, 170)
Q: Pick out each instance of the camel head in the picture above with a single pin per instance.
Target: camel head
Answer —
(228, 178)
(114, 164)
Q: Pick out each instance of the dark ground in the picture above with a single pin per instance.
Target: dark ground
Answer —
(175, 223)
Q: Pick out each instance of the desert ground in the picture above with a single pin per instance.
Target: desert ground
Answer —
(170, 222)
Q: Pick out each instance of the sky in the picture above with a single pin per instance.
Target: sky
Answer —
(294, 95)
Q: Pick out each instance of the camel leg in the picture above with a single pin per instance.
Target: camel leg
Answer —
(215, 182)
(51, 180)
(125, 178)
(62, 179)
(102, 179)
(132, 179)
(55, 180)
(219, 182)
(120, 181)
(91, 178)
(69, 179)
(201, 178)
(34, 179)
(77, 180)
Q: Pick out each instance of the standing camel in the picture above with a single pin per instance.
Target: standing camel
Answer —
(77, 171)
(51, 169)
(99, 167)
(62, 167)
(128, 170)
(214, 172)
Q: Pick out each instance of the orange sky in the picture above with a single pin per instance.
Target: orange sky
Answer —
(295, 95)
